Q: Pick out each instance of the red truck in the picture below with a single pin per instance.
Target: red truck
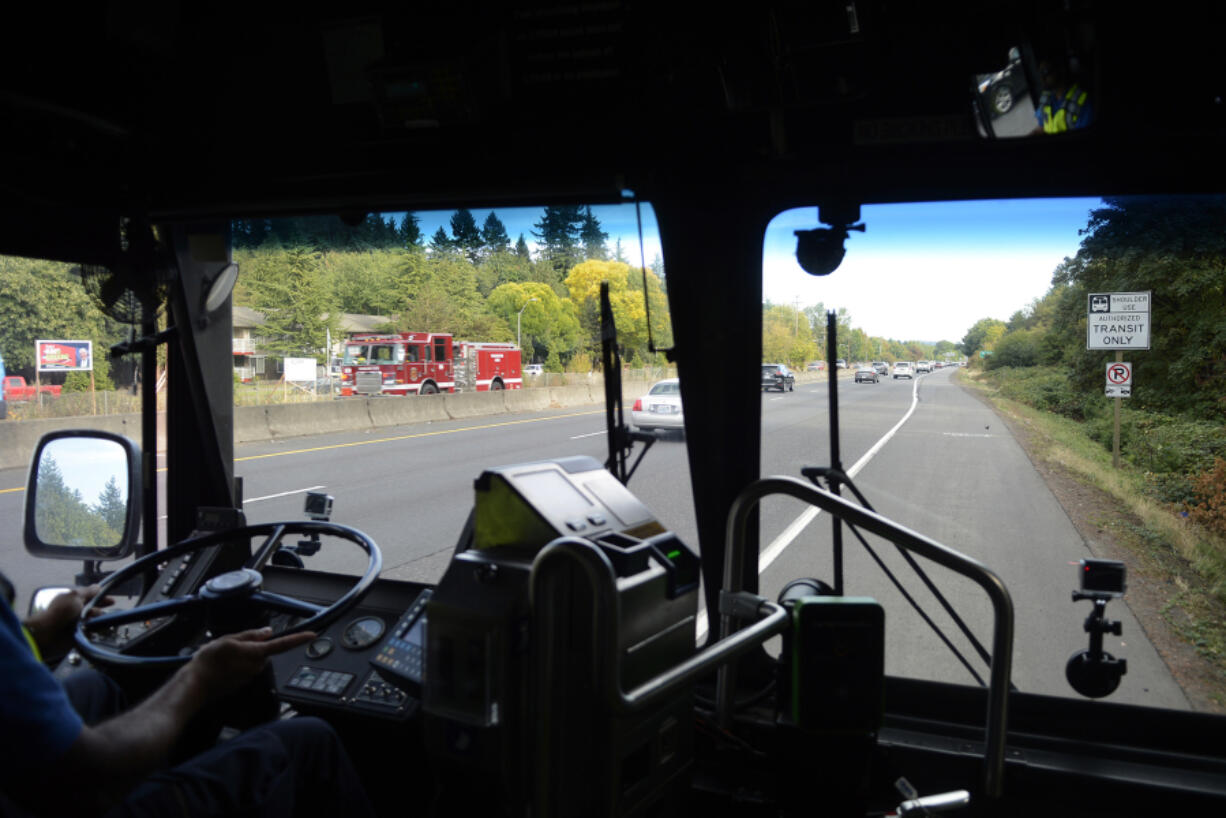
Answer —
(425, 363)
(16, 389)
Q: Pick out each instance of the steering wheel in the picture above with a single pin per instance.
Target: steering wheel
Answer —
(233, 595)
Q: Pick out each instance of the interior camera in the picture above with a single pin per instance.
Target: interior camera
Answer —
(820, 251)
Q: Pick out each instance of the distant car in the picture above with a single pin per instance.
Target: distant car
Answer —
(840, 364)
(866, 374)
(903, 369)
(923, 366)
(777, 376)
(532, 370)
(660, 408)
(816, 366)
(882, 367)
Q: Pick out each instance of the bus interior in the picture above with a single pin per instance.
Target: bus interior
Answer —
(549, 667)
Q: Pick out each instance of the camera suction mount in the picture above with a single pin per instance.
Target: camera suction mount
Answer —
(1095, 673)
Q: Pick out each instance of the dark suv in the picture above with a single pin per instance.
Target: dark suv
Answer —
(777, 376)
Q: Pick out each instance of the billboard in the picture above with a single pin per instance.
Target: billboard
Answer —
(64, 356)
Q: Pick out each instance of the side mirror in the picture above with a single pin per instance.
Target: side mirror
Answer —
(43, 597)
(83, 496)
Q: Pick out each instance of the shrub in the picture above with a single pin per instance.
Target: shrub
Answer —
(1209, 507)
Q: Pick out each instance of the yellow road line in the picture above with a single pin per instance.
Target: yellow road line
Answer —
(419, 434)
(10, 491)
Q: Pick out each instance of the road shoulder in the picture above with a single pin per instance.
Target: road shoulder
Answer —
(1106, 531)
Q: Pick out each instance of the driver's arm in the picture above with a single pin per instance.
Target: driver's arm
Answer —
(113, 755)
(52, 628)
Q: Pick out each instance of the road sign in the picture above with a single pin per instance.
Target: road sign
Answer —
(1118, 321)
(1119, 380)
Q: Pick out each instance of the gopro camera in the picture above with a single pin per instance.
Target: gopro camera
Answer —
(1102, 577)
(318, 506)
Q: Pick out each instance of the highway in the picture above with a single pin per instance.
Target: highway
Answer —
(925, 453)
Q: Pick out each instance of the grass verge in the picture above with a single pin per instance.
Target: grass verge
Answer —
(1188, 562)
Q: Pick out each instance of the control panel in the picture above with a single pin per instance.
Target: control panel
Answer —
(402, 656)
(362, 662)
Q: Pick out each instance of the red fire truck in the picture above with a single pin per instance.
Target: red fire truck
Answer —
(425, 363)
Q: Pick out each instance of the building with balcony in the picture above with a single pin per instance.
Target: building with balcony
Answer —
(253, 361)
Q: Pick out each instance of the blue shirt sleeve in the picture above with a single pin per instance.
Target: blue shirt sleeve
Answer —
(37, 722)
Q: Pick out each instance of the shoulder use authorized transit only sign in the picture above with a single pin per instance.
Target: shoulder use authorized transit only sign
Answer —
(1119, 380)
(1118, 321)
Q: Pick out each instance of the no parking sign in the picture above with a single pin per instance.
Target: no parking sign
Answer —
(1119, 379)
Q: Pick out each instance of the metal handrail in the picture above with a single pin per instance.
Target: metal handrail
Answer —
(1002, 632)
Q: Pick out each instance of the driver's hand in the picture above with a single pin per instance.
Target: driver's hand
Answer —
(52, 628)
(229, 662)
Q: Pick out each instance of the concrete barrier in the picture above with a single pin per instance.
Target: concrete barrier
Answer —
(18, 439)
(474, 404)
(251, 424)
(295, 419)
(526, 400)
(404, 411)
(568, 396)
(255, 423)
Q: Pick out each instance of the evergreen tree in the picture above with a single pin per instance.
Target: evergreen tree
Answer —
(410, 230)
(112, 506)
(619, 254)
(440, 242)
(494, 234)
(465, 234)
(559, 235)
(289, 289)
(521, 249)
(593, 237)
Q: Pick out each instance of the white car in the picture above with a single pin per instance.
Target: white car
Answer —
(923, 366)
(902, 369)
(533, 370)
(660, 408)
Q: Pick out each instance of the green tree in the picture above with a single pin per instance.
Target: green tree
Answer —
(521, 248)
(629, 310)
(549, 324)
(365, 282)
(593, 237)
(1174, 247)
(1021, 347)
(79, 381)
(786, 335)
(558, 231)
(410, 230)
(288, 287)
(440, 242)
(42, 299)
(494, 236)
(465, 234)
(112, 506)
(982, 335)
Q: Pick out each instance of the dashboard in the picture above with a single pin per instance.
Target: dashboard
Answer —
(370, 661)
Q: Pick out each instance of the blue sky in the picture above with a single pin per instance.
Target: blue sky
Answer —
(929, 271)
(921, 271)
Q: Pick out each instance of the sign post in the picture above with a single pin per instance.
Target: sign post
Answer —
(1118, 321)
(1119, 385)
